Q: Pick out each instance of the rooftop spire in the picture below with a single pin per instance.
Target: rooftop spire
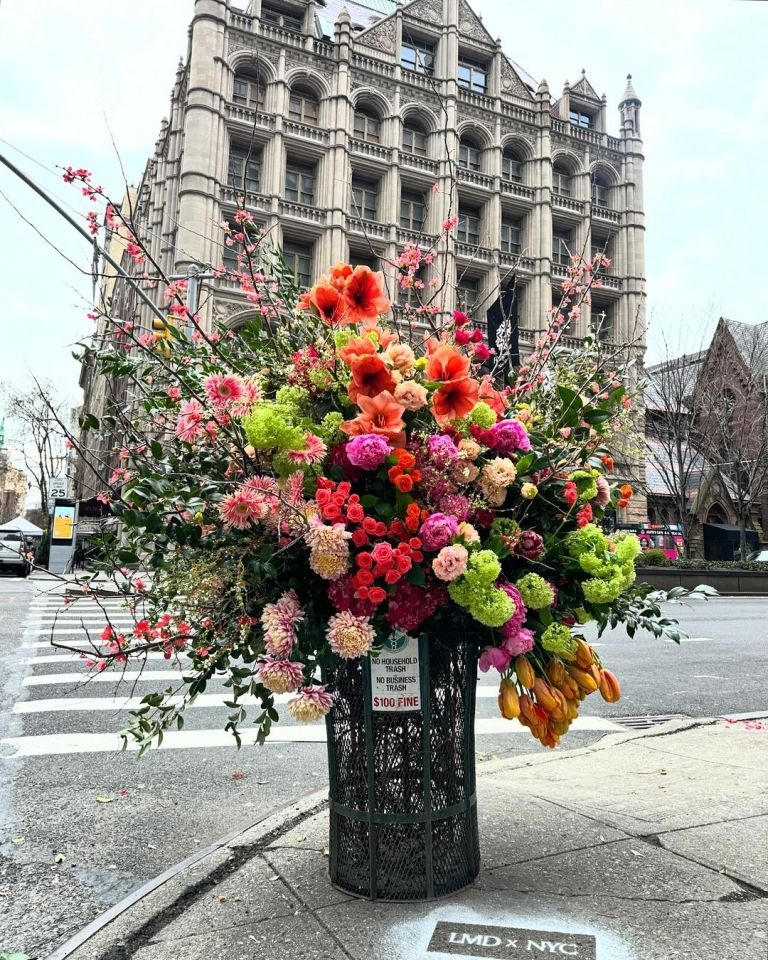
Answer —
(629, 92)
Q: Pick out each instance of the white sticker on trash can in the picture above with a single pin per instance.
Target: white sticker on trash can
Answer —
(395, 678)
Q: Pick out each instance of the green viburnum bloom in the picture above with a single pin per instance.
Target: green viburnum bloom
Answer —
(482, 416)
(492, 608)
(328, 429)
(557, 640)
(294, 398)
(269, 425)
(535, 591)
(483, 569)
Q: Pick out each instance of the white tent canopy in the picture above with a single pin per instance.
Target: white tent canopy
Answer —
(23, 526)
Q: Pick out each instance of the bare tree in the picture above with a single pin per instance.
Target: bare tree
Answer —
(35, 414)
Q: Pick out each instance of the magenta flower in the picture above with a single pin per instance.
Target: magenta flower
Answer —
(520, 642)
(496, 657)
(442, 450)
(506, 436)
(437, 531)
(368, 451)
(513, 625)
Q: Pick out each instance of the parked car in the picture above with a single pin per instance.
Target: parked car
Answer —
(758, 555)
(14, 553)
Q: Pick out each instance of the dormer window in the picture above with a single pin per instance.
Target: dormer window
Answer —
(472, 76)
(367, 125)
(281, 19)
(470, 155)
(580, 119)
(418, 56)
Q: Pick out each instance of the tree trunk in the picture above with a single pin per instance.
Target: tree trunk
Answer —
(742, 536)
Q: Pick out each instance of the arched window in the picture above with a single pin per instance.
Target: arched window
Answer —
(367, 125)
(511, 166)
(470, 154)
(248, 90)
(414, 138)
(601, 190)
(562, 182)
(303, 106)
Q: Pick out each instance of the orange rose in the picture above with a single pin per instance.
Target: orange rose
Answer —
(404, 483)
(626, 491)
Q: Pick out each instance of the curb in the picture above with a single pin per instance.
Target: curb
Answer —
(277, 822)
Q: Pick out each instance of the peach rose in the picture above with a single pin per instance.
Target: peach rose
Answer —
(411, 395)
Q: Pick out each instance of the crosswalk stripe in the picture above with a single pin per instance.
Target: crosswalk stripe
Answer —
(111, 704)
(73, 743)
(43, 679)
(76, 658)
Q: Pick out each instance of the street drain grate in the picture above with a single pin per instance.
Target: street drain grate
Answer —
(646, 723)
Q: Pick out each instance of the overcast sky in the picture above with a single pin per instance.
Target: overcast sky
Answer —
(699, 67)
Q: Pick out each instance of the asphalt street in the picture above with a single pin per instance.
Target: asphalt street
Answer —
(81, 825)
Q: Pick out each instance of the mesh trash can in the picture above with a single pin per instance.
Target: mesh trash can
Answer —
(403, 812)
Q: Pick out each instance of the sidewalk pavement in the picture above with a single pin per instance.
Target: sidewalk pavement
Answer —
(647, 846)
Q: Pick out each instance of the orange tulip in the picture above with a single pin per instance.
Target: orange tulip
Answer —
(369, 377)
(381, 414)
(455, 399)
(364, 293)
(447, 364)
(626, 491)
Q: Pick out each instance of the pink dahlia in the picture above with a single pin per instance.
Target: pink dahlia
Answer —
(223, 388)
(279, 621)
(280, 676)
(313, 452)
(240, 508)
(437, 531)
(368, 451)
(310, 704)
(350, 636)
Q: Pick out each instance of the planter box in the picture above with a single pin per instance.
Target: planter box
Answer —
(727, 582)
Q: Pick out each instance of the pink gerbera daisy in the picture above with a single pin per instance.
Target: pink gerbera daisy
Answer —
(240, 508)
(223, 388)
(313, 452)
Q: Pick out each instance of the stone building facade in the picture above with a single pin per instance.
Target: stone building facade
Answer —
(13, 489)
(350, 128)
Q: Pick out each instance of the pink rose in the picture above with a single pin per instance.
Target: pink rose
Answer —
(450, 563)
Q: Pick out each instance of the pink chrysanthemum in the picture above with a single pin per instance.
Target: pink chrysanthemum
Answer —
(350, 636)
(240, 508)
(261, 484)
(223, 388)
(311, 703)
(322, 538)
(280, 676)
(313, 452)
(279, 621)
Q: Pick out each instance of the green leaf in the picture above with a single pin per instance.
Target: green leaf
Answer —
(524, 463)
(157, 449)
(126, 555)
(18, 840)
(416, 576)
(105, 799)
(571, 400)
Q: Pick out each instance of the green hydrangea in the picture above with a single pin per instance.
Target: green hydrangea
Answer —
(586, 483)
(587, 539)
(535, 591)
(482, 416)
(460, 592)
(270, 425)
(342, 337)
(610, 570)
(581, 615)
(505, 527)
(294, 398)
(557, 639)
(627, 546)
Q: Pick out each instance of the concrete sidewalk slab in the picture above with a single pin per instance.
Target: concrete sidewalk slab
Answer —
(646, 847)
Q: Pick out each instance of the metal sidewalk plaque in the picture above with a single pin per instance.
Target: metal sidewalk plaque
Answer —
(395, 677)
(509, 943)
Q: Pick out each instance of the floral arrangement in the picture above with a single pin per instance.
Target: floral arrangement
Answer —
(301, 488)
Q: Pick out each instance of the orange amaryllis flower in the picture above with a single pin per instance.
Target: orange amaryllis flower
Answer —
(446, 364)
(496, 399)
(355, 348)
(364, 293)
(340, 272)
(455, 399)
(328, 303)
(382, 415)
(370, 376)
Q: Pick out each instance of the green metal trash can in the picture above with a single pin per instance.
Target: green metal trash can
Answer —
(403, 809)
